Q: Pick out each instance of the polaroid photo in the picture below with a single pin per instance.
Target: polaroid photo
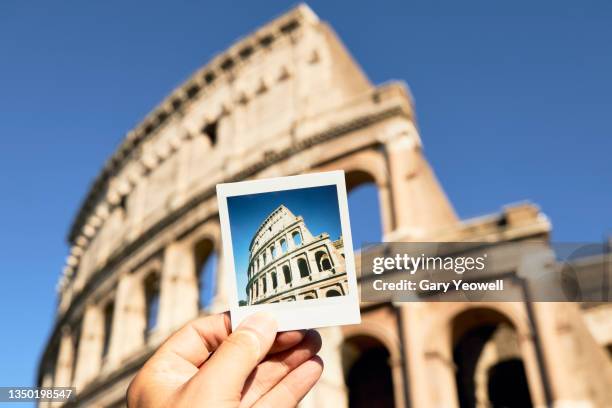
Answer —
(288, 250)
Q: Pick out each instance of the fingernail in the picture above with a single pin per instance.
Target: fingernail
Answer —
(262, 323)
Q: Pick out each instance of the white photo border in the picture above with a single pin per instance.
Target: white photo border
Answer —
(299, 314)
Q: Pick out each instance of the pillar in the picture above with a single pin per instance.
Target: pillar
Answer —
(418, 205)
(269, 282)
(178, 302)
(295, 272)
(220, 302)
(89, 357)
(290, 243)
(63, 369)
(312, 262)
(305, 232)
(279, 250)
(129, 320)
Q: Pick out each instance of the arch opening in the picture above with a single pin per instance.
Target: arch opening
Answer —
(283, 246)
(490, 369)
(303, 268)
(332, 293)
(206, 260)
(287, 274)
(367, 373)
(151, 286)
(364, 207)
(323, 261)
(297, 238)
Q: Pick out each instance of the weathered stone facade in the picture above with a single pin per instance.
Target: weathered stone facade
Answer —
(288, 263)
(285, 100)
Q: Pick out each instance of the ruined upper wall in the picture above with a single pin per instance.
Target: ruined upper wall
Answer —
(246, 99)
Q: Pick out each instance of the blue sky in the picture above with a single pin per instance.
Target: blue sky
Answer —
(247, 212)
(513, 102)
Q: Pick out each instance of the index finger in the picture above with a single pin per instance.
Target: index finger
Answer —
(195, 341)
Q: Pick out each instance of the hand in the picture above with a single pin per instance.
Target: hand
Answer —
(205, 365)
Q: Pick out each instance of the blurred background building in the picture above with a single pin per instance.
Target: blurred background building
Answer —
(288, 99)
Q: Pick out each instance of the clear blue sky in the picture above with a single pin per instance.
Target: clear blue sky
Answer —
(513, 102)
(247, 212)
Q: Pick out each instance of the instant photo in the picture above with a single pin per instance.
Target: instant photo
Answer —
(288, 244)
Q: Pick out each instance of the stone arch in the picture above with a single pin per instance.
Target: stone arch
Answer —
(486, 352)
(273, 254)
(274, 279)
(302, 265)
(287, 274)
(297, 237)
(367, 177)
(367, 370)
(365, 198)
(206, 263)
(151, 285)
(283, 246)
(333, 293)
(324, 262)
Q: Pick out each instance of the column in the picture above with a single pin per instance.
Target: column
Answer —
(129, 320)
(312, 262)
(306, 235)
(269, 282)
(220, 302)
(418, 204)
(334, 256)
(65, 356)
(290, 243)
(178, 297)
(279, 249)
(89, 357)
(295, 272)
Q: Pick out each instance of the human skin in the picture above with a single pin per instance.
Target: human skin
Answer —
(205, 364)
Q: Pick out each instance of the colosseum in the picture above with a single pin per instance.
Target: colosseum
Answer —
(288, 263)
(145, 253)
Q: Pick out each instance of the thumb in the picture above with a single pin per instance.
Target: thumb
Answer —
(228, 368)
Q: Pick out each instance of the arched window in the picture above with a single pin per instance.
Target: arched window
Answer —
(151, 285)
(264, 258)
(283, 246)
(273, 252)
(274, 281)
(303, 267)
(206, 264)
(332, 293)
(287, 274)
(297, 238)
(109, 311)
(308, 297)
(482, 376)
(364, 208)
(323, 261)
(368, 374)
(264, 283)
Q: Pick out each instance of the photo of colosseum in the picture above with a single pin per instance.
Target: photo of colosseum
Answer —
(146, 256)
(288, 263)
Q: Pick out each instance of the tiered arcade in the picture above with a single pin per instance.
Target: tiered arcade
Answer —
(287, 262)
